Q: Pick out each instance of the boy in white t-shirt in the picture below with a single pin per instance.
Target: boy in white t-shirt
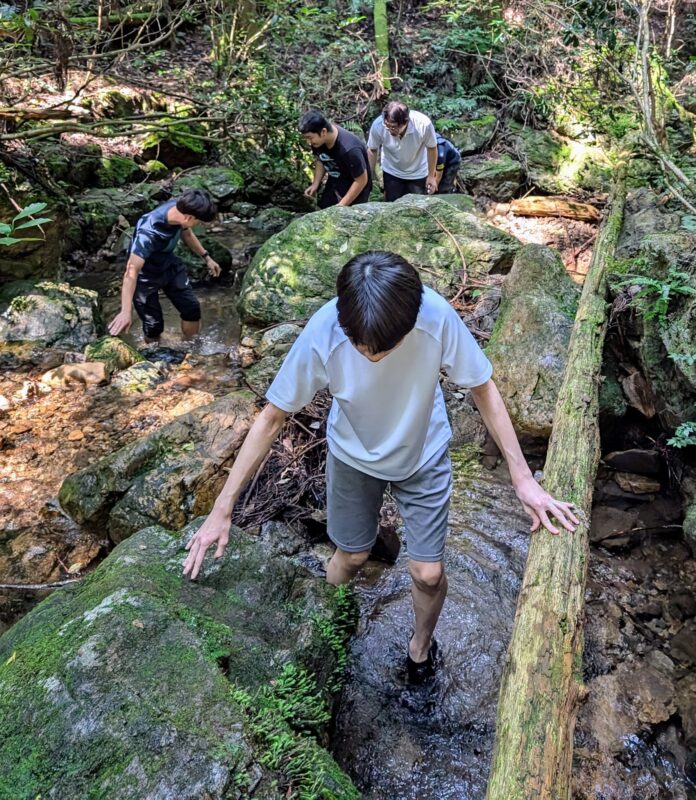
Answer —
(379, 348)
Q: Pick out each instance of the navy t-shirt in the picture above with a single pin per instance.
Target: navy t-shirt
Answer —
(447, 153)
(155, 239)
(344, 162)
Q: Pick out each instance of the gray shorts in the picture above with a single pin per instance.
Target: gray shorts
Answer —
(353, 501)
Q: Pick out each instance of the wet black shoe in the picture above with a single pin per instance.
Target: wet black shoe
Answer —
(420, 671)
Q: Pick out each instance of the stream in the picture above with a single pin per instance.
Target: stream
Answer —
(396, 742)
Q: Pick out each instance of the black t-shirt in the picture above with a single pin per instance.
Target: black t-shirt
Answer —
(344, 162)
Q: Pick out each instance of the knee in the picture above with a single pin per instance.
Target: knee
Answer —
(191, 311)
(428, 576)
(354, 560)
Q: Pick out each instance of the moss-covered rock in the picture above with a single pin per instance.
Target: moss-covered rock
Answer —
(53, 314)
(471, 135)
(197, 269)
(530, 340)
(72, 165)
(498, 177)
(559, 165)
(138, 378)
(115, 102)
(114, 352)
(139, 683)
(295, 271)
(114, 170)
(222, 183)
(272, 220)
(166, 478)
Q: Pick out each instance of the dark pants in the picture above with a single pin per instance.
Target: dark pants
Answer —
(330, 196)
(174, 281)
(394, 187)
(448, 177)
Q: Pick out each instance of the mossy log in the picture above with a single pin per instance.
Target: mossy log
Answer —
(542, 679)
(381, 23)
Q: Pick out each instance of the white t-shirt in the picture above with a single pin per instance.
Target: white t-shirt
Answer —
(406, 156)
(388, 417)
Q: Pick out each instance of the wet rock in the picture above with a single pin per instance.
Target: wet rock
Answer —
(644, 462)
(497, 177)
(682, 606)
(113, 352)
(474, 134)
(169, 688)
(272, 220)
(88, 374)
(530, 340)
(279, 339)
(637, 484)
(295, 271)
(49, 314)
(138, 378)
(168, 477)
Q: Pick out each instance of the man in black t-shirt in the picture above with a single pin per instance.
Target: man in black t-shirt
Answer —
(339, 155)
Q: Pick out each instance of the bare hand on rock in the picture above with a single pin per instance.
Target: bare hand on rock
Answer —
(214, 531)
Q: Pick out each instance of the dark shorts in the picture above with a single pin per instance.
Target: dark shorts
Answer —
(330, 195)
(394, 187)
(354, 499)
(448, 177)
(174, 281)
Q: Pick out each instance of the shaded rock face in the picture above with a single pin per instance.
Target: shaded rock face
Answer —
(136, 683)
(294, 272)
(653, 245)
(471, 136)
(53, 314)
(168, 477)
(499, 177)
(529, 344)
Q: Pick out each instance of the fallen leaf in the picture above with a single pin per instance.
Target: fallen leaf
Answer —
(75, 436)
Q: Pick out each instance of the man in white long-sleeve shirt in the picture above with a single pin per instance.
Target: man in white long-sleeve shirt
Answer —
(378, 347)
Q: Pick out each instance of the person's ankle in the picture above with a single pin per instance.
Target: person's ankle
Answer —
(418, 651)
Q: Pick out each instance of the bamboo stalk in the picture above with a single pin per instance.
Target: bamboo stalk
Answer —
(542, 679)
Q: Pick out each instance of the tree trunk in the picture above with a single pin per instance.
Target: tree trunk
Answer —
(542, 679)
(382, 41)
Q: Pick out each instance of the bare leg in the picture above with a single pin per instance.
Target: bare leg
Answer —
(428, 590)
(190, 329)
(152, 341)
(343, 566)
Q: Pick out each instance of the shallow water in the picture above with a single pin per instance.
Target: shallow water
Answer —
(434, 742)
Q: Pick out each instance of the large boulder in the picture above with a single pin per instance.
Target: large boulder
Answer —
(557, 164)
(50, 314)
(294, 272)
(137, 683)
(168, 477)
(222, 183)
(530, 340)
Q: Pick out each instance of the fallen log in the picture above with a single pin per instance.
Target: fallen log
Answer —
(542, 679)
(537, 206)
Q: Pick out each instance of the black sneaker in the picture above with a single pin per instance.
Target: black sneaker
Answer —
(420, 671)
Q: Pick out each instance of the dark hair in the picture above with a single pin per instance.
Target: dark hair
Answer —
(198, 204)
(379, 295)
(313, 122)
(396, 112)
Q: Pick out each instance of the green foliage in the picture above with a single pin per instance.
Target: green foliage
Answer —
(655, 296)
(22, 221)
(684, 436)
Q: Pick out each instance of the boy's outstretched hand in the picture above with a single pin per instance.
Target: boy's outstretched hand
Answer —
(214, 531)
(539, 504)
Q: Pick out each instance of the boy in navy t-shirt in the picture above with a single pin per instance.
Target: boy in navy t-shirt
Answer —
(448, 162)
(152, 265)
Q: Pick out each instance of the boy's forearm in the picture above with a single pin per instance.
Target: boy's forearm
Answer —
(354, 190)
(497, 420)
(130, 281)
(256, 445)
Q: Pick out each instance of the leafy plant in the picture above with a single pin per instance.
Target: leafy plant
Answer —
(684, 436)
(22, 222)
(655, 296)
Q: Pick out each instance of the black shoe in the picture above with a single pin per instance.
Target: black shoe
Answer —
(421, 671)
